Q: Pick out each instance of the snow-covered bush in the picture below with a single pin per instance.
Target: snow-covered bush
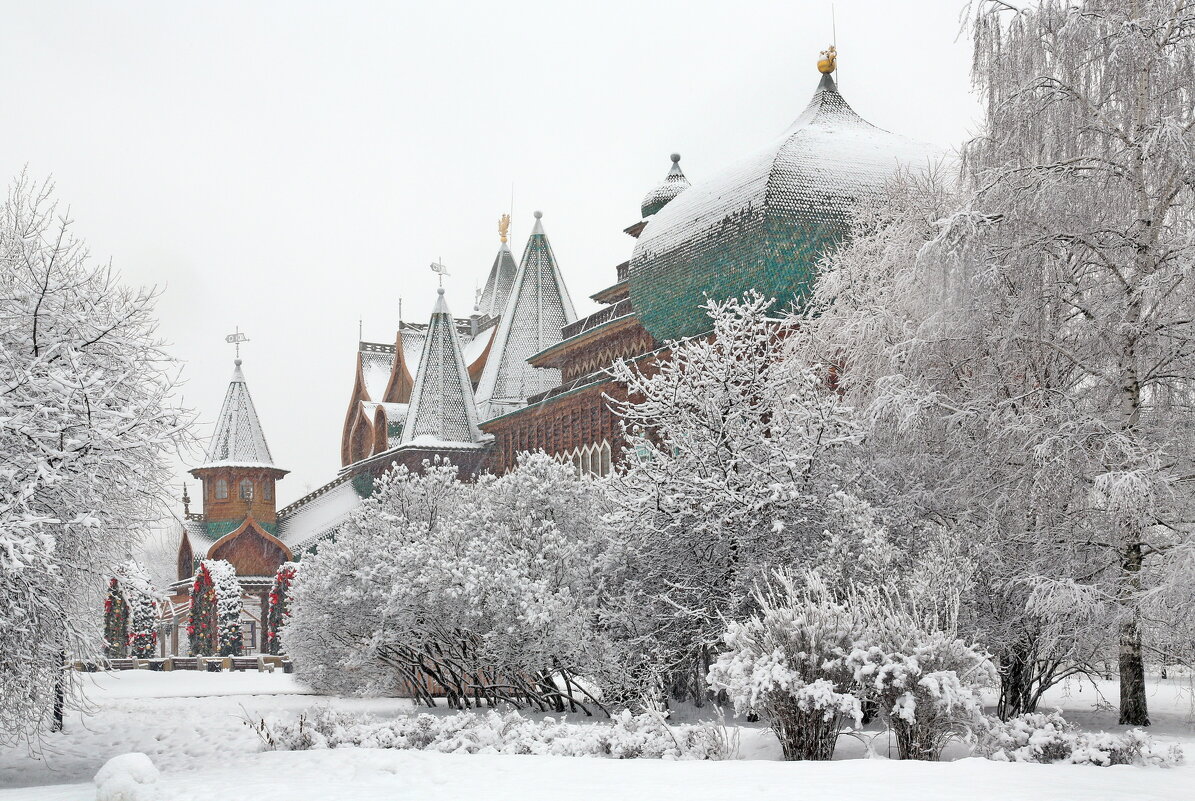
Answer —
(279, 611)
(788, 663)
(925, 688)
(481, 592)
(625, 736)
(1048, 737)
(215, 623)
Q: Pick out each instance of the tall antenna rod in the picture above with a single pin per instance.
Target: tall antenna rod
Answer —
(512, 200)
(834, 41)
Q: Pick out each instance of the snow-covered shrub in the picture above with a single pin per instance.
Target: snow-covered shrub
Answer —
(127, 777)
(1048, 737)
(279, 611)
(925, 691)
(788, 663)
(482, 592)
(625, 736)
(923, 678)
(215, 623)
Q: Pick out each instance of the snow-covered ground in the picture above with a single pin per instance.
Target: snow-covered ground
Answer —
(192, 727)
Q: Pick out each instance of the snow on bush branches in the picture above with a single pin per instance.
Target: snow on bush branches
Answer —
(626, 736)
(1047, 737)
(807, 662)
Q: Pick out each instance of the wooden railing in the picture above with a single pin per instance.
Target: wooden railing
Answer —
(620, 309)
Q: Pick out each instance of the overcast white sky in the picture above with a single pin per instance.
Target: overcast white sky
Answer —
(293, 167)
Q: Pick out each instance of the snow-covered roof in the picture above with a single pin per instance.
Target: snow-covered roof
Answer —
(660, 195)
(239, 440)
(442, 406)
(377, 362)
(765, 222)
(498, 284)
(538, 307)
(473, 349)
(318, 514)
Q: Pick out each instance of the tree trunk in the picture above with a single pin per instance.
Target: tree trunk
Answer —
(1133, 708)
(59, 693)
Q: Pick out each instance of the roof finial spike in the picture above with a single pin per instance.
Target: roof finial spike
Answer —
(538, 228)
(503, 227)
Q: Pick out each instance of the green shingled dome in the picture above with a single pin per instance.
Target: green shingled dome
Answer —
(764, 223)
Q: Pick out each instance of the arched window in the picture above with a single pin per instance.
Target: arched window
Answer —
(267, 490)
(221, 489)
(246, 490)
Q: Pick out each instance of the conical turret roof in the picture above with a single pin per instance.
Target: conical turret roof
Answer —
(497, 286)
(538, 307)
(239, 440)
(442, 408)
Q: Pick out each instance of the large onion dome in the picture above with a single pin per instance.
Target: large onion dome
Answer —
(763, 223)
(674, 183)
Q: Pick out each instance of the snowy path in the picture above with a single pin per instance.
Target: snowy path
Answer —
(368, 775)
(191, 726)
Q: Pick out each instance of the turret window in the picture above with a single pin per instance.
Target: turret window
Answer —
(267, 490)
(246, 490)
(221, 489)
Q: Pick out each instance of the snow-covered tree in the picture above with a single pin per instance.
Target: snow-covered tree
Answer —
(143, 601)
(116, 621)
(214, 625)
(87, 422)
(1089, 161)
(730, 459)
(1019, 338)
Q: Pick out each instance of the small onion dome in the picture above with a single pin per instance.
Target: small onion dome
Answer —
(674, 183)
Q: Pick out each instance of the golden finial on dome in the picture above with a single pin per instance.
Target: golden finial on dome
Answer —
(828, 62)
(503, 227)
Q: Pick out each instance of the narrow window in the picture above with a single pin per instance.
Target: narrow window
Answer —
(221, 489)
(246, 490)
(267, 490)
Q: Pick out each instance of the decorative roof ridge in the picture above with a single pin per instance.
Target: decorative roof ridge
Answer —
(827, 106)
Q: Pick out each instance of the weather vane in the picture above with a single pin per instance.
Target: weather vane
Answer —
(236, 339)
(440, 270)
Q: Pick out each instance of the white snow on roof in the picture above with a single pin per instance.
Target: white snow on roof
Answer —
(328, 508)
(473, 349)
(442, 403)
(239, 439)
(539, 306)
(377, 361)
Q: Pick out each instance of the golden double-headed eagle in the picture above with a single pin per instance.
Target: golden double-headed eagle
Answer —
(503, 226)
(828, 61)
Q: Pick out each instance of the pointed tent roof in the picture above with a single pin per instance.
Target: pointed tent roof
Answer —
(442, 407)
(497, 286)
(538, 307)
(239, 440)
